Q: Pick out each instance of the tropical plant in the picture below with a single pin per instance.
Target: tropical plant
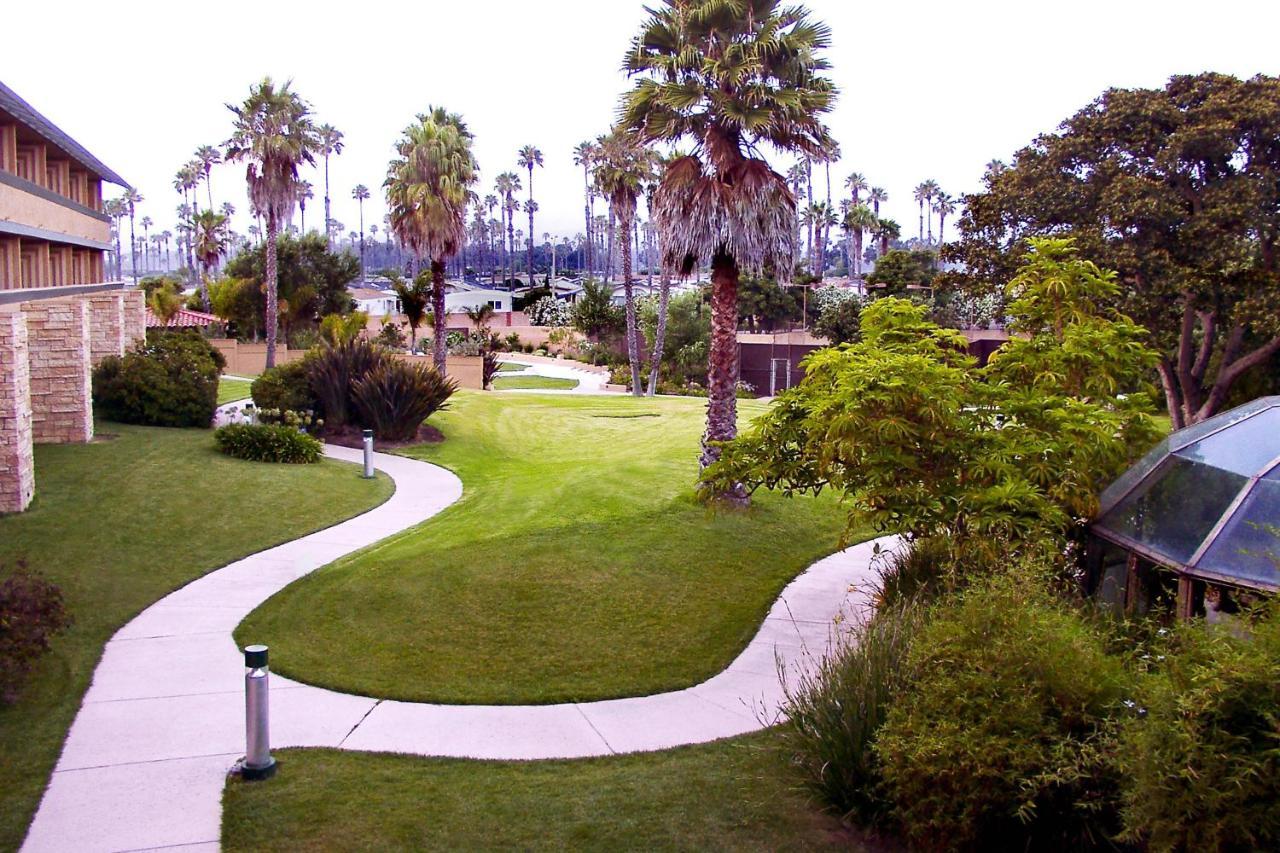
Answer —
(428, 188)
(208, 157)
(212, 241)
(859, 220)
(274, 135)
(165, 303)
(584, 155)
(414, 301)
(132, 198)
(529, 157)
(507, 185)
(480, 315)
(361, 194)
(730, 75)
(332, 372)
(395, 397)
(330, 145)
(337, 329)
(944, 205)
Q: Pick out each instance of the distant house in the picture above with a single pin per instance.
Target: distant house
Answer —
(375, 303)
(466, 297)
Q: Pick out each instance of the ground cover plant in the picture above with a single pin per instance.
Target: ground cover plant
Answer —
(116, 525)
(321, 801)
(604, 578)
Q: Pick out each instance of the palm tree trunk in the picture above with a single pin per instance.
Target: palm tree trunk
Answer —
(660, 334)
(133, 247)
(857, 250)
(273, 310)
(328, 241)
(922, 220)
(722, 366)
(633, 343)
(529, 248)
(586, 211)
(808, 182)
(608, 273)
(440, 322)
(363, 277)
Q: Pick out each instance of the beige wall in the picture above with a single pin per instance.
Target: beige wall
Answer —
(58, 354)
(251, 359)
(17, 461)
(27, 209)
(467, 371)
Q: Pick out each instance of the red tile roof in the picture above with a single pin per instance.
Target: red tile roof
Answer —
(184, 319)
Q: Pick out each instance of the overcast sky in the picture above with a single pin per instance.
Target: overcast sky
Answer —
(928, 90)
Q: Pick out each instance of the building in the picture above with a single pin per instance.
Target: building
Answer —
(53, 231)
(460, 299)
(375, 303)
(59, 316)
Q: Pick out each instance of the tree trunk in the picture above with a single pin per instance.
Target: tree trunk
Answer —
(722, 367)
(272, 318)
(608, 273)
(439, 321)
(808, 182)
(857, 253)
(328, 241)
(511, 244)
(660, 334)
(529, 248)
(633, 343)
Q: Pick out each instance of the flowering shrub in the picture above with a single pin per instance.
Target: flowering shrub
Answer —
(549, 311)
(267, 443)
(830, 296)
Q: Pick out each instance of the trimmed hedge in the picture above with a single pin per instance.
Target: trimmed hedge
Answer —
(267, 443)
(171, 380)
(284, 387)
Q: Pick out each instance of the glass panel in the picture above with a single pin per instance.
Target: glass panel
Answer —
(1274, 473)
(1245, 447)
(1130, 478)
(1176, 507)
(1249, 545)
(1192, 434)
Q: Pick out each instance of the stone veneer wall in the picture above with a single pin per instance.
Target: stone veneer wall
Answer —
(135, 317)
(17, 464)
(106, 325)
(58, 353)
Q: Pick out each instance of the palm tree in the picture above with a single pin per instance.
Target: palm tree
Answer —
(305, 194)
(117, 209)
(825, 219)
(133, 198)
(622, 168)
(330, 146)
(146, 224)
(361, 194)
(931, 189)
(165, 237)
(428, 186)
(859, 220)
(877, 197)
(921, 195)
(944, 205)
(855, 184)
(274, 135)
(491, 202)
(212, 240)
(507, 185)
(529, 157)
(887, 231)
(732, 75)
(208, 157)
(584, 155)
(414, 299)
(479, 315)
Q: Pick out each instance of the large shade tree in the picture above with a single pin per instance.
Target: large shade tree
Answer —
(428, 188)
(1178, 189)
(728, 76)
(274, 136)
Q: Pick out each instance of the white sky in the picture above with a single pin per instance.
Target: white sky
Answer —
(929, 89)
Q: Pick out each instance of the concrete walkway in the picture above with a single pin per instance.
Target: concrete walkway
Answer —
(589, 381)
(145, 761)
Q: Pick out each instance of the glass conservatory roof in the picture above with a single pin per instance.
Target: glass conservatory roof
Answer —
(1206, 500)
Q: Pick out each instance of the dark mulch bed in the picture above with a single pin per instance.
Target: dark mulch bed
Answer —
(349, 436)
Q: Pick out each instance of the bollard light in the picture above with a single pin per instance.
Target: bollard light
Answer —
(368, 454)
(258, 763)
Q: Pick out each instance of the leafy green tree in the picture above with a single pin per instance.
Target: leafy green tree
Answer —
(840, 323)
(273, 133)
(594, 314)
(1178, 190)
(733, 76)
(899, 269)
(428, 188)
(310, 281)
(764, 304)
(920, 441)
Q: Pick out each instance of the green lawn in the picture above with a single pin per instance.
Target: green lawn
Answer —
(501, 383)
(508, 367)
(120, 523)
(577, 566)
(732, 795)
(230, 390)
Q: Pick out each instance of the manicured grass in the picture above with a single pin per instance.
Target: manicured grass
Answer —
(508, 367)
(230, 390)
(120, 523)
(513, 383)
(732, 795)
(577, 566)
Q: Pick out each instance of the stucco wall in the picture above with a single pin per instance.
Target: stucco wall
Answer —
(27, 209)
(17, 462)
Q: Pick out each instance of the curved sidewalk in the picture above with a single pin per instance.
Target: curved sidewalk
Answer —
(145, 761)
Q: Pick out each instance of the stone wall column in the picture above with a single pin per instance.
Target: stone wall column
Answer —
(61, 394)
(106, 325)
(17, 463)
(135, 317)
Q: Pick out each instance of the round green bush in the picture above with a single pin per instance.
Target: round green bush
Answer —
(171, 380)
(284, 387)
(267, 443)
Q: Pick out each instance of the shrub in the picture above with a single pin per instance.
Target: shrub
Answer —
(836, 712)
(31, 613)
(395, 398)
(267, 443)
(284, 387)
(1001, 737)
(549, 311)
(170, 380)
(392, 336)
(333, 372)
(490, 368)
(1202, 767)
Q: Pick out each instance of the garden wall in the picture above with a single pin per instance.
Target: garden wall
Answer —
(251, 359)
(17, 462)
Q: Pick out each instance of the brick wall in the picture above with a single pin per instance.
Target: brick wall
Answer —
(61, 398)
(135, 317)
(106, 325)
(17, 465)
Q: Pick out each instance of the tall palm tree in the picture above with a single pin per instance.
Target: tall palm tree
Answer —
(943, 205)
(921, 194)
(133, 198)
(859, 220)
(273, 134)
(732, 76)
(584, 155)
(117, 209)
(886, 231)
(428, 187)
(212, 240)
(529, 157)
(796, 178)
(931, 190)
(165, 237)
(507, 185)
(856, 184)
(826, 220)
(208, 157)
(330, 146)
(877, 196)
(622, 168)
(305, 194)
(146, 224)
(361, 194)
(491, 203)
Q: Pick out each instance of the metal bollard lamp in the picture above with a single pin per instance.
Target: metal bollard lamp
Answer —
(258, 763)
(368, 454)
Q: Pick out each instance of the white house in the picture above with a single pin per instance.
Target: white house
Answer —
(463, 298)
(375, 303)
